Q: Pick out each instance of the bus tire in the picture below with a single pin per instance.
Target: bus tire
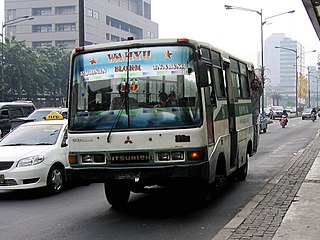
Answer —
(117, 194)
(242, 172)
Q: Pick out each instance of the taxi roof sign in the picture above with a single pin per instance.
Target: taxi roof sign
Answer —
(54, 115)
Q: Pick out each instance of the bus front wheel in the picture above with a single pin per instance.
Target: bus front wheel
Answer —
(117, 194)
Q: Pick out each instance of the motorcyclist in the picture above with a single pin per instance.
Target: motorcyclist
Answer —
(284, 114)
(314, 113)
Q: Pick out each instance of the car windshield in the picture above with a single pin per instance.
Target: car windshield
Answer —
(307, 110)
(39, 115)
(45, 134)
(277, 108)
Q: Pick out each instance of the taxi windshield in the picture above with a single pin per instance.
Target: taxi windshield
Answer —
(44, 134)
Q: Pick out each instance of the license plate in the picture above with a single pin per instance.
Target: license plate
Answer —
(127, 175)
(1, 178)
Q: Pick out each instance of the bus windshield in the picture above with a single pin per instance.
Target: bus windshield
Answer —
(137, 88)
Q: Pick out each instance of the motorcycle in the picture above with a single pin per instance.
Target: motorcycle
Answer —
(283, 121)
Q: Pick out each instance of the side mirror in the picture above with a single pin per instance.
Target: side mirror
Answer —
(203, 80)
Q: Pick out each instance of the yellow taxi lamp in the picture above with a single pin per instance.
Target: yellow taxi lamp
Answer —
(54, 115)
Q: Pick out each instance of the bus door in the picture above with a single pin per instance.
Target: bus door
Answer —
(231, 102)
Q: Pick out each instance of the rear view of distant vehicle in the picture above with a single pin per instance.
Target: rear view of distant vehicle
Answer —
(306, 114)
(40, 114)
(277, 112)
(11, 111)
(34, 155)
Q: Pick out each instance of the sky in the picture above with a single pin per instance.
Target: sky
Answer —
(235, 31)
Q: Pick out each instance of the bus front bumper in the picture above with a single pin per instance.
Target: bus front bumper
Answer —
(144, 174)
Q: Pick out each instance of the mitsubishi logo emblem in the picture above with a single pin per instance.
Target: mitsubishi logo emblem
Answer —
(128, 140)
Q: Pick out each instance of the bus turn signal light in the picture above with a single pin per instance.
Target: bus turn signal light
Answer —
(72, 158)
(196, 155)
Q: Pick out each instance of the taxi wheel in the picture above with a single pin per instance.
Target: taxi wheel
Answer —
(55, 180)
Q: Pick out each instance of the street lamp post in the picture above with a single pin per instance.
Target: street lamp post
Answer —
(296, 65)
(309, 97)
(262, 23)
(4, 24)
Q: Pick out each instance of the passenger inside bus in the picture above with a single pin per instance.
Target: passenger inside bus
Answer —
(162, 99)
(172, 100)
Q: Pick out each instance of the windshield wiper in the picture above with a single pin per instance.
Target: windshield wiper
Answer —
(114, 124)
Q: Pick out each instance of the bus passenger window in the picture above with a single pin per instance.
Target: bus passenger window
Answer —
(211, 87)
(219, 82)
(244, 81)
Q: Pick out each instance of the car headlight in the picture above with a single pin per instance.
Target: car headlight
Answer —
(29, 161)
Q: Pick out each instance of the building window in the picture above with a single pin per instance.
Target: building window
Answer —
(150, 35)
(90, 13)
(138, 32)
(41, 44)
(147, 11)
(115, 38)
(136, 6)
(11, 31)
(115, 2)
(125, 4)
(107, 36)
(41, 11)
(66, 27)
(11, 14)
(42, 28)
(93, 14)
(68, 44)
(65, 10)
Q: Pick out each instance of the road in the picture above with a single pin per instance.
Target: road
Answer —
(83, 213)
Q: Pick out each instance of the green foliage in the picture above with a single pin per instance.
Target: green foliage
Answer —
(34, 73)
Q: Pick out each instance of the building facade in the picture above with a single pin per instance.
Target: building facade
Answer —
(56, 22)
(281, 67)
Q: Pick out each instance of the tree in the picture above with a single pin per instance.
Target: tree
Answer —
(35, 73)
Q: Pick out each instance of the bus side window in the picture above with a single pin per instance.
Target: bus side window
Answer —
(235, 78)
(219, 82)
(244, 81)
(211, 86)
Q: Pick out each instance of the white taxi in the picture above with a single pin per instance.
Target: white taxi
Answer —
(35, 155)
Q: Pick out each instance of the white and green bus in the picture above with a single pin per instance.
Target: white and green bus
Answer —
(161, 112)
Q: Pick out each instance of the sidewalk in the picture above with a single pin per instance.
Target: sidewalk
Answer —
(287, 208)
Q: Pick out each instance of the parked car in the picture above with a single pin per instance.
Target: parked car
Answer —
(277, 111)
(11, 111)
(306, 113)
(35, 155)
(40, 114)
(263, 123)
